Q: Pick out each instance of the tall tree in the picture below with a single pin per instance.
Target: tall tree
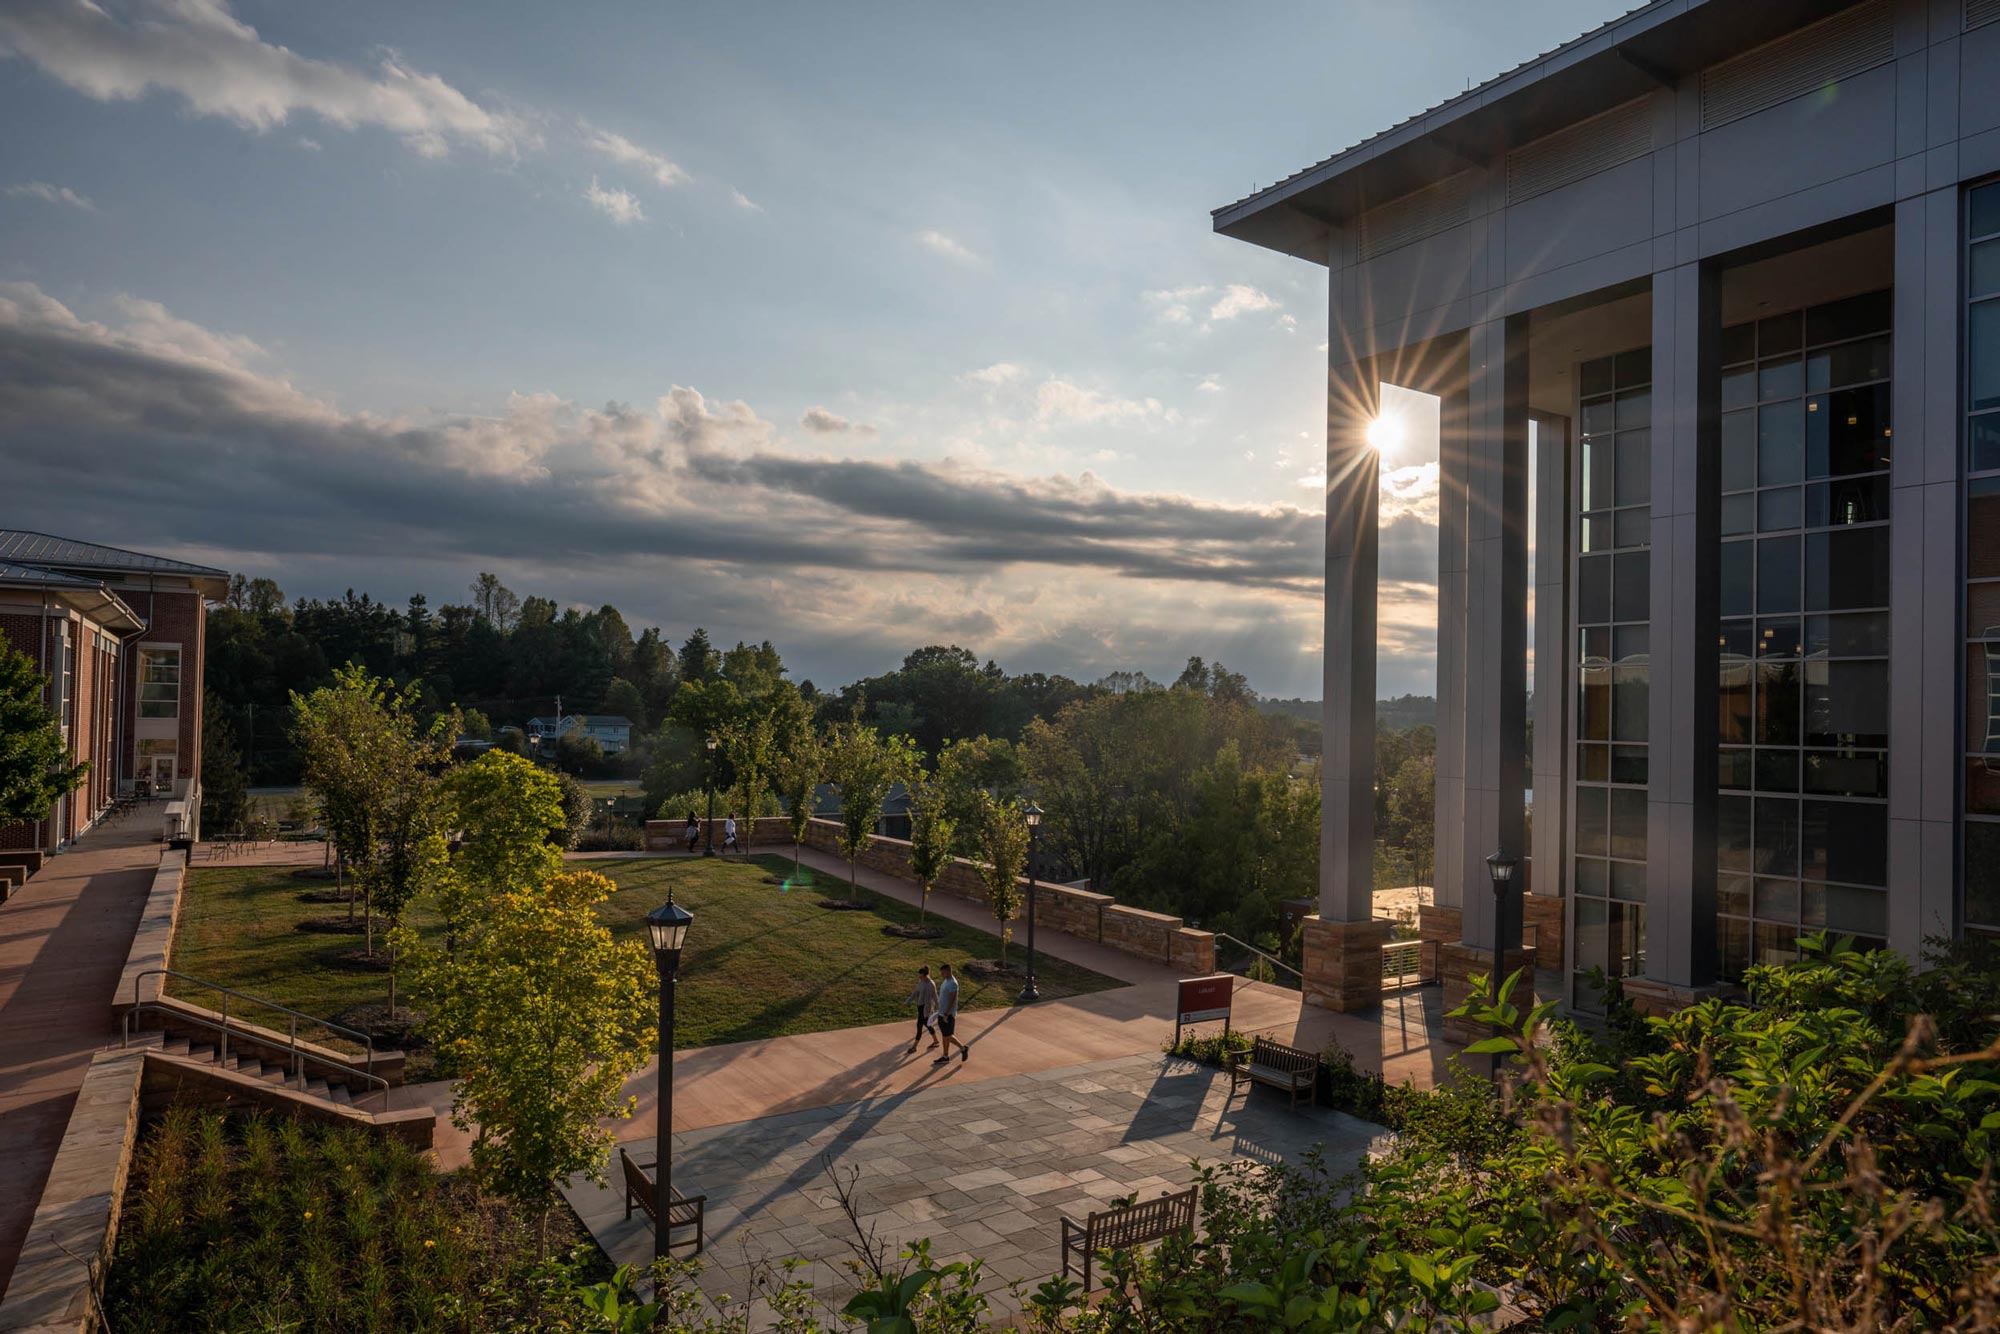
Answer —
(338, 730)
(225, 794)
(34, 764)
(510, 813)
(543, 1015)
(800, 769)
(1002, 831)
(751, 746)
(494, 601)
(932, 830)
(863, 765)
(699, 660)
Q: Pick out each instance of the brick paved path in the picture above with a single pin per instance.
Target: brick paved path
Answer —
(981, 1169)
(63, 941)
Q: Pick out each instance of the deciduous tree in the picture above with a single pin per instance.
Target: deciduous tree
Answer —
(34, 765)
(863, 765)
(544, 1016)
(932, 832)
(800, 769)
(1003, 849)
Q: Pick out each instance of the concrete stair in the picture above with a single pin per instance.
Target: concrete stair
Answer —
(327, 1087)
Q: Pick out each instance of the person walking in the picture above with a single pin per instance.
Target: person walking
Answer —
(925, 998)
(693, 833)
(947, 1017)
(729, 834)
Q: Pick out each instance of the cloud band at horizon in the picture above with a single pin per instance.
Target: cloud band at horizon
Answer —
(156, 432)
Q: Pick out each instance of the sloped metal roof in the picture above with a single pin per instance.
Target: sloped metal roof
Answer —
(11, 573)
(67, 553)
(85, 594)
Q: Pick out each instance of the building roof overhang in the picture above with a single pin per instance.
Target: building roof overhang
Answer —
(1653, 46)
(43, 551)
(86, 597)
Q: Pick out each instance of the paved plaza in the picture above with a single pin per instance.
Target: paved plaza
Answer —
(981, 1168)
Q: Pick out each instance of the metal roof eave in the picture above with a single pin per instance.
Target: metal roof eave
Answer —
(1620, 59)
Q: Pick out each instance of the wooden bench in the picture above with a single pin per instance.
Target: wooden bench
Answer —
(1281, 1067)
(1122, 1228)
(684, 1211)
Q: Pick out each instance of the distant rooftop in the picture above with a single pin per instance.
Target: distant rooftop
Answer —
(26, 548)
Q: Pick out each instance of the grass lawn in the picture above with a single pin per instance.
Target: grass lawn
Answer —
(762, 960)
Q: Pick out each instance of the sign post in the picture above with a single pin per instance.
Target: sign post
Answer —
(1203, 999)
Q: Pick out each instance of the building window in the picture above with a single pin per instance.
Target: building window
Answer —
(1981, 910)
(1803, 724)
(159, 681)
(1613, 589)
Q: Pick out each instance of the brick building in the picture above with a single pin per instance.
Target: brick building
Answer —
(121, 636)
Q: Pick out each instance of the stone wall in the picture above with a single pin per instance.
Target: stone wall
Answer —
(1074, 912)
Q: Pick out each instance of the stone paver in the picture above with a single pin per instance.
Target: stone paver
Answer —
(1053, 1142)
(63, 941)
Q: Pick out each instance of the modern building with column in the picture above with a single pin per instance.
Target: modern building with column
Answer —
(1713, 292)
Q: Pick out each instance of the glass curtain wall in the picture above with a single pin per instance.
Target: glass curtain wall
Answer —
(1612, 615)
(1982, 561)
(1802, 818)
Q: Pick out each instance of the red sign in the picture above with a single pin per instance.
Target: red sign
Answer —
(1205, 998)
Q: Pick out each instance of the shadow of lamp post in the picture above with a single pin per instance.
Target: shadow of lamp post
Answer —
(1501, 867)
(1033, 815)
(668, 926)
(708, 773)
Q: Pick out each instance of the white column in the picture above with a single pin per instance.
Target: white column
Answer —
(1683, 598)
(1448, 870)
(1347, 781)
(1496, 631)
(1926, 582)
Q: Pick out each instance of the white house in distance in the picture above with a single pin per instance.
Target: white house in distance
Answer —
(612, 732)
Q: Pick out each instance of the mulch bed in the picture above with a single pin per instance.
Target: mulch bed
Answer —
(398, 1032)
(913, 932)
(843, 905)
(325, 896)
(338, 926)
(990, 970)
(356, 959)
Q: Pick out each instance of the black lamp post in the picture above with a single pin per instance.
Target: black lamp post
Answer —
(1501, 867)
(668, 926)
(708, 772)
(1033, 815)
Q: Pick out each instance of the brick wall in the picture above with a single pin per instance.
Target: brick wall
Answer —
(1074, 912)
(173, 616)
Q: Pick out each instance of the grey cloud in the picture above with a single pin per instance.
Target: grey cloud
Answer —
(820, 421)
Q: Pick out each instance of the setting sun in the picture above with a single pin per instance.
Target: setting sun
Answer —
(1385, 433)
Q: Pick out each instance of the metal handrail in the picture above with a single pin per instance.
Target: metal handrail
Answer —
(299, 1056)
(367, 1042)
(1273, 960)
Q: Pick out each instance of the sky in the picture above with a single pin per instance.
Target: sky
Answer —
(851, 327)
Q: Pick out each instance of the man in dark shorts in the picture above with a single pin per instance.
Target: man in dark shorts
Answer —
(947, 1017)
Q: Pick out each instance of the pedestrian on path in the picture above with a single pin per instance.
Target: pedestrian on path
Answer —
(693, 833)
(925, 997)
(947, 1017)
(729, 834)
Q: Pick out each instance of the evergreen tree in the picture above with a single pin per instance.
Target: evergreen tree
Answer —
(34, 765)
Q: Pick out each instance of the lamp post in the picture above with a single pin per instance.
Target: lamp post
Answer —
(1501, 867)
(668, 926)
(708, 772)
(1033, 815)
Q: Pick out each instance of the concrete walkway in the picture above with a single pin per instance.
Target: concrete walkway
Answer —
(983, 1170)
(769, 1077)
(63, 942)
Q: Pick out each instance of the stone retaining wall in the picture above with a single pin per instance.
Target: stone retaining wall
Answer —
(1075, 912)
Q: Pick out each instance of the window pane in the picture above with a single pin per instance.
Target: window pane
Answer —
(1778, 899)
(1777, 704)
(1849, 706)
(1599, 418)
(1739, 343)
(1780, 379)
(1635, 466)
(1628, 824)
(1630, 598)
(1983, 274)
(1593, 589)
(1635, 409)
(1778, 509)
(1594, 377)
(1844, 840)
(1591, 821)
(1777, 771)
(1856, 912)
(1847, 431)
(1597, 473)
(1839, 773)
(1739, 514)
(1849, 500)
(1982, 355)
(1596, 532)
(1780, 434)
(1778, 639)
(1739, 450)
(1734, 694)
(1734, 850)
(1778, 574)
(1592, 877)
(1593, 762)
(1982, 873)
(1634, 368)
(1848, 567)
(1732, 895)
(1628, 882)
(1985, 210)
(1738, 566)
(1982, 528)
(1983, 442)
(1628, 701)
(1634, 528)
(1780, 333)
(1732, 944)
(1777, 836)
(1837, 320)
(1591, 934)
(1628, 764)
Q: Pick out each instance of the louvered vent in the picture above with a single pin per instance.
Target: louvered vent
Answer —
(1837, 48)
(1981, 11)
(1413, 216)
(1581, 150)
